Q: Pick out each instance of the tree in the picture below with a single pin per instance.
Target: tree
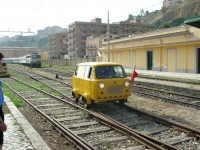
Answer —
(164, 25)
(42, 41)
(142, 12)
(130, 17)
(164, 9)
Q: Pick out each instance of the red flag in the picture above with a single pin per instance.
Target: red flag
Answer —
(134, 74)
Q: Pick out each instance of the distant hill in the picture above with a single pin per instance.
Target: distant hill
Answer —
(173, 15)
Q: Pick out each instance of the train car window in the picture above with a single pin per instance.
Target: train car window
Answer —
(3, 64)
(35, 56)
(88, 72)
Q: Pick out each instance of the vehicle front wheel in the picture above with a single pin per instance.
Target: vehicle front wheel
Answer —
(74, 97)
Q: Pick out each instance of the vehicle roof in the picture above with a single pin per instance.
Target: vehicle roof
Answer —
(98, 64)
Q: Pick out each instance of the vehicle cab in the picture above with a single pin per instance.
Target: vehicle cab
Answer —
(100, 82)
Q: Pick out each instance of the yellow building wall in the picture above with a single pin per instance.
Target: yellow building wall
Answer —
(156, 58)
(181, 57)
(112, 57)
(194, 33)
(141, 58)
(174, 39)
(163, 60)
(125, 58)
(175, 53)
(191, 56)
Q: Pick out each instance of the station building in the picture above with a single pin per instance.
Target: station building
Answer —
(169, 50)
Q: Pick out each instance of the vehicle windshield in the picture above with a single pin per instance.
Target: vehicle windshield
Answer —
(110, 72)
(35, 56)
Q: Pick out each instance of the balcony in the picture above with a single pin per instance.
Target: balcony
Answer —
(92, 29)
(70, 36)
(125, 28)
(82, 41)
(64, 38)
(70, 42)
(71, 29)
(83, 29)
(124, 35)
(92, 47)
(103, 30)
(83, 35)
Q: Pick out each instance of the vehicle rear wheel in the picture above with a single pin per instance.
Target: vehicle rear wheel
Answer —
(85, 105)
(122, 101)
(74, 97)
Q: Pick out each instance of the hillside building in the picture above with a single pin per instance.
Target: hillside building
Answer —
(166, 3)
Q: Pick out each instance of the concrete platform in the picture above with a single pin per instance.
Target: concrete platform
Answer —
(181, 77)
(20, 135)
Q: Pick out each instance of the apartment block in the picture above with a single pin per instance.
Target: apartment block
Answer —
(58, 45)
(93, 43)
(79, 31)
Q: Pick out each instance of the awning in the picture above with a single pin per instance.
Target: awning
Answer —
(195, 22)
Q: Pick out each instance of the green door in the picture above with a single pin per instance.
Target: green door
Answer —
(198, 60)
(149, 60)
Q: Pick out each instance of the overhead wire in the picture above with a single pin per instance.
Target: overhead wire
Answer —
(37, 8)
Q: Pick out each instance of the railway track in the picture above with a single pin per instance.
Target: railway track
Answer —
(183, 99)
(170, 94)
(63, 74)
(144, 124)
(85, 129)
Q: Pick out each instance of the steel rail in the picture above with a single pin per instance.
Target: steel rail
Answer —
(185, 128)
(95, 115)
(168, 99)
(68, 134)
(198, 98)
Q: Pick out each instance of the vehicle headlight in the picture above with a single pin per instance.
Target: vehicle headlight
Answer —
(127, 83)
(101, 85)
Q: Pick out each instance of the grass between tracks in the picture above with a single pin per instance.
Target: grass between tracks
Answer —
(18, 102)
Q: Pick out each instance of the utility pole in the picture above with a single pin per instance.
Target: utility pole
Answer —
(108, 39)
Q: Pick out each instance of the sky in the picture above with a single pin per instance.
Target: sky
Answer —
(33, 15)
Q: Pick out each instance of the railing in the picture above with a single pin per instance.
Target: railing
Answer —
(91, 47)
(83, 29)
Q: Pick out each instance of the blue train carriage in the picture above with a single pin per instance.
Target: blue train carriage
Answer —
(4, 70)
(34, 60)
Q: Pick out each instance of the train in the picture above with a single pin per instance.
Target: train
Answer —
(31, 60)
